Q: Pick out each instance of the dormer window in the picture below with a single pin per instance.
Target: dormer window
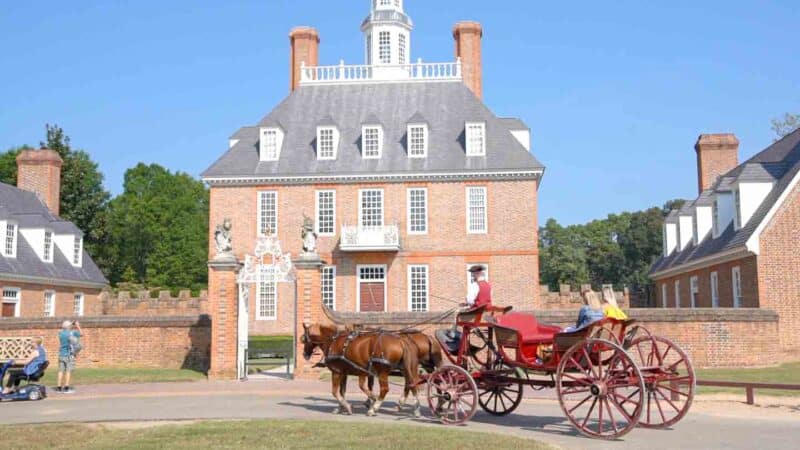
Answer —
(270, 144)
(372, 142)
(47, 254)
(476, 138)
(77, 251)
(385, 47)
(10, 242)
(715, 219)
(327, 142)
(417, 141)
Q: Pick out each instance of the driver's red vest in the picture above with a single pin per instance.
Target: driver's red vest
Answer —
(484, 294)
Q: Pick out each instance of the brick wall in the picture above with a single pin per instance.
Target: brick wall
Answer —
(153, 342)
(750, 288)
(568, 298)
(125, 303)
(711, 337)
(779, 270)
(31, 303)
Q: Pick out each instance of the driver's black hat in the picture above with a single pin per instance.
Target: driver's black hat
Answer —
(476, 268)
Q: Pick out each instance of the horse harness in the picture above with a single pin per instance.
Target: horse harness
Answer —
(374, 358)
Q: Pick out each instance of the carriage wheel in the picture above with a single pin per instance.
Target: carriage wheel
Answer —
(501, 396)
(452, 395)
(668, 378)
(600, 400)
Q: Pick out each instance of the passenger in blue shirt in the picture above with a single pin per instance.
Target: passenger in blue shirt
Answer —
(71, 331)
(590, 312)
(38, 358)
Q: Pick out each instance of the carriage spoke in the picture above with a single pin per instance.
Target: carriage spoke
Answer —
(619, 407)
(576, 391)
(668, 400)
(600, 415)
(674, 365)
(581, 403)
(589, 361)
(664, 356)
(591, 408)
(582, 381)
(674, 391)
(611, 416)
(658, 405)
(628, 399)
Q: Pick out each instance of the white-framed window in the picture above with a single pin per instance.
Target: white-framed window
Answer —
(677, 293)
(477, 218)
(372, 142)
(270, 144)
(77, 251)
(715, 218)
(77, 304)
(385, 47)
(328, 286)
(417, 141)
(11, 296)
(401, 48)
(418, 285)
(476, 139)
(370, 208)
(736, 279)
(714, 281)
(694, 290)
(267, 301)
(327, 142)
(737, 218)
(268, 212)
(417, 211)
(47, 254)
(664, 295)
(326, 213)
(49, 304)
(10, 243)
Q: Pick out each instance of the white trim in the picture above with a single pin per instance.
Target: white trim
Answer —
(470, 151)
(372, 177)
(260, 211)
(730, 255)
(364, 130)
(14, 239)
(335, 143)
(52, 312)
(425, 133)
(714, 289)
(678, 294)
(258, 315)
(754, 240)
(80, 311)
(316, 211)
(361, 206)
(664, 295)
(409, 270)
(332, 268)
(736, 286)
(17, 301)
(485, 229)
(408, 210)
(47, 251)
(694, 290)
(49, 281)
(385, 284)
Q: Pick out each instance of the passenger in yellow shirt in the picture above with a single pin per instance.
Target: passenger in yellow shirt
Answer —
(610, 307)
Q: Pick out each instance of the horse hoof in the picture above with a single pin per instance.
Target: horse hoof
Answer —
(417, 414)
(349, 411)
(399, 408)
(371, 413)
(337, 411)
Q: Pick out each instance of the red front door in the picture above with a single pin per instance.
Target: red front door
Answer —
(8, 309)
(372, 288)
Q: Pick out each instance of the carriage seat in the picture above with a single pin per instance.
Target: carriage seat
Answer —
(529, 329)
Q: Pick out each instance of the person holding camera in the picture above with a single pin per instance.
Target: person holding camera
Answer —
(68, 339)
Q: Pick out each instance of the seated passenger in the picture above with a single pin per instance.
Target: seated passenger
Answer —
(591, 311)
(38, 358)
(610, 307)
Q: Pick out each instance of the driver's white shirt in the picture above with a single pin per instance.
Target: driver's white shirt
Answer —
(472, 292)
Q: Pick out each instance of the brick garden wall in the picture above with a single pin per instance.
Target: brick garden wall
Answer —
(141, 342)
(127, 304)
(711, 337)
(568, 298)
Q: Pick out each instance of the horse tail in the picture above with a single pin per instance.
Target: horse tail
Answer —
(410, 365)
(434, 353)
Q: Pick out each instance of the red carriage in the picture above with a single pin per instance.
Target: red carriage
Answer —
(609, 376)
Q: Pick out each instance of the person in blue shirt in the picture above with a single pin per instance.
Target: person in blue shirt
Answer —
(70, 332)
(33, 365)
(590, 312)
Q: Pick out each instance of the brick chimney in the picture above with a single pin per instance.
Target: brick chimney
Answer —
(304, 43)
(39, 171)
(468, 47)
(716, 155)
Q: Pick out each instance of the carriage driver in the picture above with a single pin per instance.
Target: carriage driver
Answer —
(479, 291)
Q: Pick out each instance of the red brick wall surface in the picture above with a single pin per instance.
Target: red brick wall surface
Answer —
(32, 299)
(750, 289)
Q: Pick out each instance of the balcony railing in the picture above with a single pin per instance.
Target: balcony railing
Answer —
(343, 74)
(370, 239)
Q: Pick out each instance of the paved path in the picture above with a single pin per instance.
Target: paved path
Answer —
(539, 417)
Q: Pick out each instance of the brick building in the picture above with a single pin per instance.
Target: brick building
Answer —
(44, 269)
(736, 245)
(409, 177)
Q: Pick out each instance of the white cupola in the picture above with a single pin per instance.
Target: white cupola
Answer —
(387, 31)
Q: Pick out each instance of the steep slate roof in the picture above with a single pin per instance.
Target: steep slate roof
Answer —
(28, 211)
(780, 163)
(445, 106)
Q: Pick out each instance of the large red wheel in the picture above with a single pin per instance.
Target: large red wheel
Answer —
(600, 400)
(452, 395)
(668, 379)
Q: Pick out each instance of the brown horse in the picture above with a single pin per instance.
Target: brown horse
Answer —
(363, 354)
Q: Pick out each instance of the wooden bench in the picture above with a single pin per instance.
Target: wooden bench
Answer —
(16, 348)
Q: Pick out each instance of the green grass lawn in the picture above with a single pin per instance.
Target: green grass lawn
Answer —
(122, 376)
(283, 434)
(788, 373)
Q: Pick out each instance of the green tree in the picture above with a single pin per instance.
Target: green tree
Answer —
(785, 125)
(563, 255)
(8, 165)
(159, 229)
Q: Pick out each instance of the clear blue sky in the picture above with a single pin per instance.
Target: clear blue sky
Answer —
(615, 92)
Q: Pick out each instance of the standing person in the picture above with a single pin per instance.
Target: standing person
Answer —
(71, 331)
(479, 291)
(38, 357)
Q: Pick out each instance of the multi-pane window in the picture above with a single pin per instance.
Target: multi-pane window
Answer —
(11, 296)
(49, 303)
(417, 211)
(738, 199)
(269, 144)
(268, 212)
(694, 289)
(677, 293)
(401, 42)
(328, 286)
(77, 249)
(372, 142)
(736, 278)
(664, 295)
(371, 208)
(326, 212)
(418, 288)
(476, 210)
(476, 139)
(267, 300)
(326, 143)
(10, 247)
(385, 47)
(714, 290)
(715, 218)
(48, 246)
(77, 305)
(417, 141)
